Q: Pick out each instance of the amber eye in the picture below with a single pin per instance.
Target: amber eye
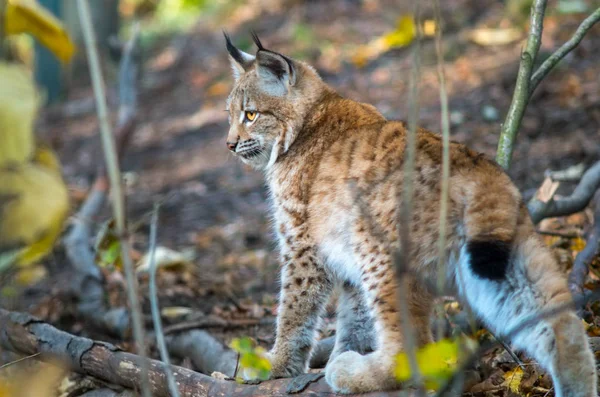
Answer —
(250, 116)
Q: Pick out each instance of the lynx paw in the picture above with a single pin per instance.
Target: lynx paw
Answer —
(352, 373)
(282, 368)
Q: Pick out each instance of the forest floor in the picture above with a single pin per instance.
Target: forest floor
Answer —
(214, 209)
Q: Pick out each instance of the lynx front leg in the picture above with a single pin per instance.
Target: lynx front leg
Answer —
(354, 328)
(304, 291)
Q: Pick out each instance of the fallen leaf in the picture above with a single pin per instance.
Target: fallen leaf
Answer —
(174, 312)
(488, 37)
(166, 258)
(513, 379)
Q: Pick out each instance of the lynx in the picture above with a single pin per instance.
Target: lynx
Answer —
(318, 152)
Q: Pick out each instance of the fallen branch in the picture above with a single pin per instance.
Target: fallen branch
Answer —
(89, 282)
(584, 258)
(24, 334)
(581, 197)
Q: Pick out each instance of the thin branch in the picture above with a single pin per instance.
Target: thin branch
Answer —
(19, 360)
(520, 98)
(445, 124)
(577, 201)
(555, 58)
(114, 174)
(156, 320)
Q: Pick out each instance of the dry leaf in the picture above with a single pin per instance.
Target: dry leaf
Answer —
(486, 36)
(513, 379)
(547, 190)
(174, 312)
(166, 258)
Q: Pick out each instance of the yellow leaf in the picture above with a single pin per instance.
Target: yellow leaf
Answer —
(18, 105)
(34, 203)
(45, 157)
(436, 361)
(27, 16)
(31, 275)
(429, 27)
(512, 379)
(403, 35)
(35, 379)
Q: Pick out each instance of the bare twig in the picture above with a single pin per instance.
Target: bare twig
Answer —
(217, 322)
(112, 165)
(19, 360)
(584, 258)
(520, 98)
(555, 58)
(445, 124)
(583, 193)
(156, 320)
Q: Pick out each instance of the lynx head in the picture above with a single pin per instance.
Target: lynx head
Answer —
(270, 100)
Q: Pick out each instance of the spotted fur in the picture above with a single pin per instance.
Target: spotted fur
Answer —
(334, 170)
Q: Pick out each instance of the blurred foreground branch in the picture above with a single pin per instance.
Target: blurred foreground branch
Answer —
(527, 81)
(24, 334)
(89, 283)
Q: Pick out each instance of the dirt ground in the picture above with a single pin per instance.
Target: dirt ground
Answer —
(217, 208)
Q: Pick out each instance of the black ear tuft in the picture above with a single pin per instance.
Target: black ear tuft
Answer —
(257, 40)
(233, 51)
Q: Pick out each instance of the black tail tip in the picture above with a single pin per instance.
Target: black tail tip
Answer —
(489, 259)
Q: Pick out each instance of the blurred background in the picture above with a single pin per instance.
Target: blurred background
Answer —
(214, 214)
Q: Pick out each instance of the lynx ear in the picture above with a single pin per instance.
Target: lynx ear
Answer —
(240, 61)
(276, 72)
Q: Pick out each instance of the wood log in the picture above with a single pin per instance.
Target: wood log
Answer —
(27, 335)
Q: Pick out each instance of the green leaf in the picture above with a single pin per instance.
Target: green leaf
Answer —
(436, 361)
(253, 359)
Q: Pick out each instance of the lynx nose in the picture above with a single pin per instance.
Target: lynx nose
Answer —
(231, 146)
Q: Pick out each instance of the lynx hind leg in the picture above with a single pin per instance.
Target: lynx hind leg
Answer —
(351, 372)
(354, 328)
(527, 283)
